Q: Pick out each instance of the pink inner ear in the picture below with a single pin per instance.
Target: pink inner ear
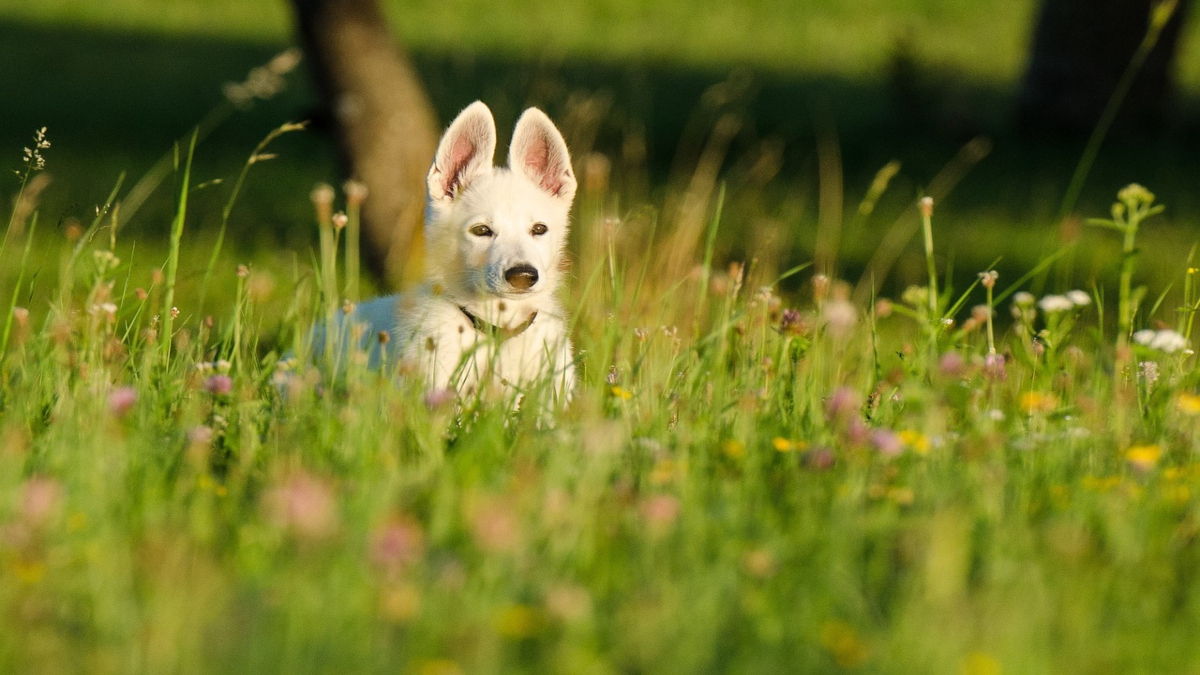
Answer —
(538, 163)
(461, 152)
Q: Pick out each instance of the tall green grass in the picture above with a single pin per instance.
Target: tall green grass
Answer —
(757, 474)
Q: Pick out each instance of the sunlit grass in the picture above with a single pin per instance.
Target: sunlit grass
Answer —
(759, 473)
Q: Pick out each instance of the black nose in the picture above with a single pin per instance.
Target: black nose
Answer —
(521, 277)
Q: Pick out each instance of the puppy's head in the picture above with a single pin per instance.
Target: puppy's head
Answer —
(498, 231)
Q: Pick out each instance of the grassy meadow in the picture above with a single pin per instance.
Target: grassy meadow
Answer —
(984, 462)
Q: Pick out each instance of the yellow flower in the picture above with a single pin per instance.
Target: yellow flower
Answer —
(843, 642)
(1038, 402)
(440, 667)
(1143, 457)
(734, 449)
(665, 470)
(916, 441)
(517, 621)
(29, 572)
(979, 663)
(401, 603)
(1188, 404)
(784, 445)
(623, 394)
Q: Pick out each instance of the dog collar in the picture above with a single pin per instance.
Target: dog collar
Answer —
(498, 332)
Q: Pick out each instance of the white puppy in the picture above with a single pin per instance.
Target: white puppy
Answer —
(487, 316)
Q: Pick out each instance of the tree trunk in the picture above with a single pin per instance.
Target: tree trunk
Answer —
(1081, 49)
(382, 119)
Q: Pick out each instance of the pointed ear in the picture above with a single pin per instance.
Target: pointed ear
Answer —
(465, 150)
(539, 153)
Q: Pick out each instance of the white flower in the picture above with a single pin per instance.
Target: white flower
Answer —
(1079, 298)
(1055, 303)
(1167, 341)
(1023, 299)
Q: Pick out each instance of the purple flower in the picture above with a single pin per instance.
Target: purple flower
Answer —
(843, 404)
(993, 367)
(122, 400)
(790, 323)
(952, 365)
(887, 442)
(219, 385)
(436, 399)
(819, 459)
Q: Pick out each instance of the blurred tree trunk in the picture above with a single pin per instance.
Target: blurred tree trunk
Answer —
(1081, 48)
(384, 124)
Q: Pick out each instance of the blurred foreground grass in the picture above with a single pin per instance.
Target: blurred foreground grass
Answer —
(746, 481)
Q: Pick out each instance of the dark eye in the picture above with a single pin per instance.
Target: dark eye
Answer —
(539, 229)
(481, 230)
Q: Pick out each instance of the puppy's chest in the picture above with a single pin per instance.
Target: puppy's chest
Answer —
(455, 342)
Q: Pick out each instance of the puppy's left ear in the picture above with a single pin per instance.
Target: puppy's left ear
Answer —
(539, 153)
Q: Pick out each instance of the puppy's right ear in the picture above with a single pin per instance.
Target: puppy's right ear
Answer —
(465, 151)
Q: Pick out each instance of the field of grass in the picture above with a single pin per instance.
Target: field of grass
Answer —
(764, 469)
(744, 482)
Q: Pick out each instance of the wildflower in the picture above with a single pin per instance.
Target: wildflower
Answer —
(40, 498)
(1167, 341)
(883, 308)
(400, 603)
(340, 220)
(790, 323)
(819, 459)
(841, 640)
(122, 400)
(916, 441)
(782, 444)
(397, 544)
(1079, 298)
(820, 287)
(1023, 299)
(660, 512)
(734, 449)
(174, 312)
(517, 622)
(495, 528)
(1188, 404)
(219, 385)
(887, 442)
(1135, 193)
(915, 296)
(568, 602)
(437, 399)
(302, 504)
(200, 436)
(1143, 457)
(21, 315)
(988, 279)
(1149, 371)
(993, 367)
(926, 207)
(759, 563)
(1038, 402)
(840, 316)
(952, 365)
(979, 663)
(1053, 304)
(356, 192)
(843, 404)
(623, 394)
(243, 271)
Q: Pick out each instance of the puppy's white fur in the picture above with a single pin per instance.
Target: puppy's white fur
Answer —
(482, 223)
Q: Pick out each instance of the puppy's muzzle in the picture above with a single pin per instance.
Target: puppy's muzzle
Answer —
(521, 277)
